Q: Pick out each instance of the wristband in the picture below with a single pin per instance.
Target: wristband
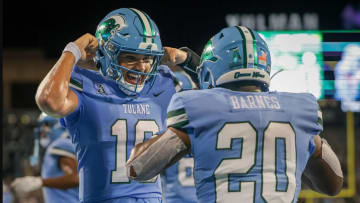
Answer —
(74, 49)
(192, 59)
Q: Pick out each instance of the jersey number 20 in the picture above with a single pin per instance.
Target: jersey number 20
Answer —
(274, 134)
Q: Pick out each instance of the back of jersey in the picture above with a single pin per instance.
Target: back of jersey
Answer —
(247, 146)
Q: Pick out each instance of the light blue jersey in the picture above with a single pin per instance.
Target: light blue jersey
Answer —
(8, 197)
(106, 125)
(179, 185)
(247, 146)
(61, 147)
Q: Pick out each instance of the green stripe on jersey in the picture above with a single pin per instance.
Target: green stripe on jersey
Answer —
(175, 113)
(320, 119)
(76, 84)
(179, 125)
(177, 118)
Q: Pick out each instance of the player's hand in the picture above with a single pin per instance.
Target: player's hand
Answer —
(24, 185)
(88, 45)
(173, 56)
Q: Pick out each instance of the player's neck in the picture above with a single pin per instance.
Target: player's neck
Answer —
(250, 88)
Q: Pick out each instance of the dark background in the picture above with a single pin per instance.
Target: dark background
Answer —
(50, 25)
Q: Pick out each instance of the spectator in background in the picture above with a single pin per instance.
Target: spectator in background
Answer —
(59, 178)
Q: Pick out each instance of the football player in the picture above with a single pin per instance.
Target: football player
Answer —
(178, 180)
(59, 178)
(108, 111)
(249, 144)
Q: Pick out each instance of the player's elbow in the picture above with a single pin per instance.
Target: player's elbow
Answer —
(47, 103)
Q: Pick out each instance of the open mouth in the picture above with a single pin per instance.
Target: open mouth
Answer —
(132, 78)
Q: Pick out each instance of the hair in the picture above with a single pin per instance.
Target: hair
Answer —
(244, 86)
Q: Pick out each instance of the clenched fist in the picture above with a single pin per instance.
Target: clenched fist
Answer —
(88, 45)
(173, 56)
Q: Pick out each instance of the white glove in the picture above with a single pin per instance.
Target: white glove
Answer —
(26, 184)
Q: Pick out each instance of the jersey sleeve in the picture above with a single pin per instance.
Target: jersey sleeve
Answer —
(63, 147)
(176, 113)
(308, 113)
(319, 120)
(315, 126)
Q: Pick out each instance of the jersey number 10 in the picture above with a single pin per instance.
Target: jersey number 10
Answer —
(119, 129)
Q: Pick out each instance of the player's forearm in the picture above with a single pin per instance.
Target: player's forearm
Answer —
(62, 182)
(53, 90)
(150, 158)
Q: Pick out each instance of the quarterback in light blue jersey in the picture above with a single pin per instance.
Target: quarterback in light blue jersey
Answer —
(108, 111)
(248, 144)
(59, 179)
(178, 180)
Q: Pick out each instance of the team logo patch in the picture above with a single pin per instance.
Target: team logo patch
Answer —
(100, 89)
(236, 60)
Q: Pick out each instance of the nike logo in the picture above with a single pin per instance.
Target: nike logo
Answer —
(157, 94)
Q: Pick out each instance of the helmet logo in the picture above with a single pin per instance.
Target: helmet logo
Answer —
(236, 59)
(208, 54)
(108, 28)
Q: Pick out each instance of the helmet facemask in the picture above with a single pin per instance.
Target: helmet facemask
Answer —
(115, 71)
